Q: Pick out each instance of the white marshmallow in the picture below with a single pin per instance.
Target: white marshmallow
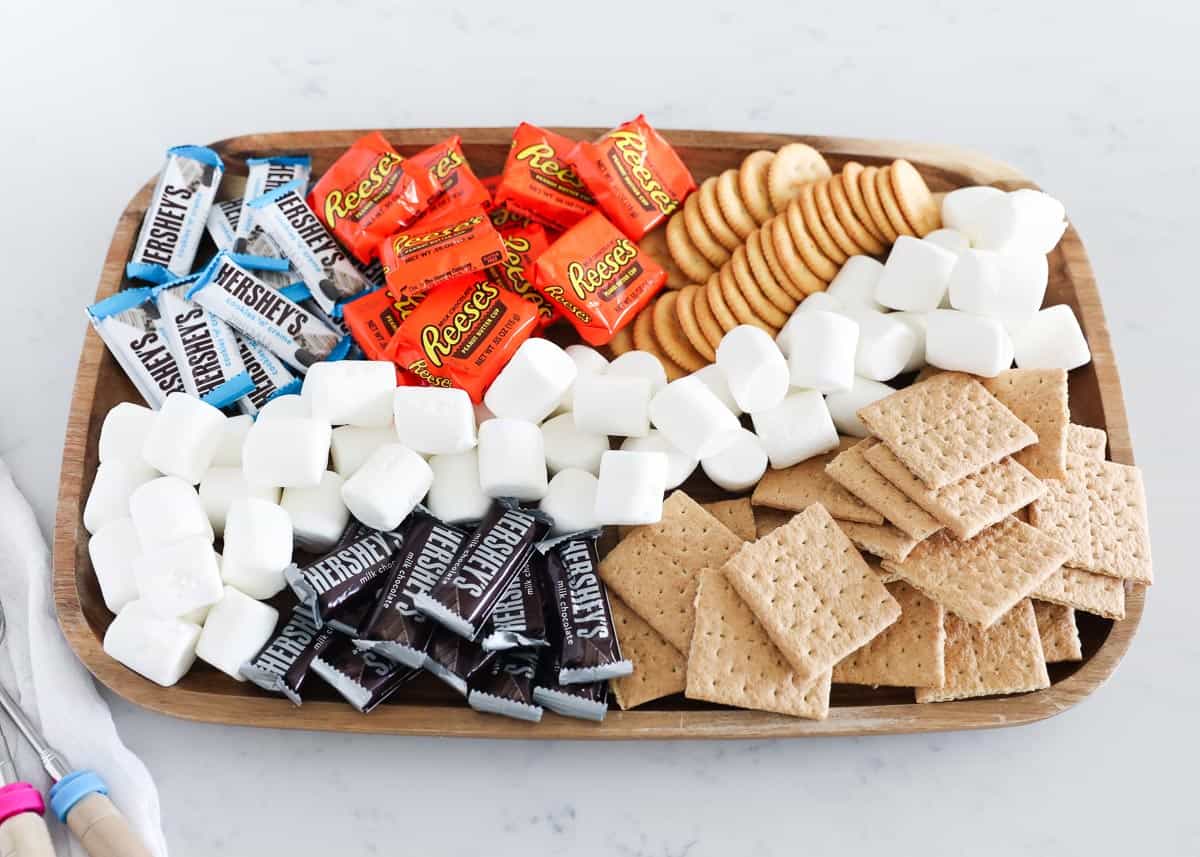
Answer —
(351, 392)
(692, 418)
(816, 302)
(236, 629)
(221, 486)
(456, 494)
(184, 437)
(949, 239)
(434, 420)
(916, 322)
(821, 348)
(161, 648)
(1043, 219)
(796, 429)
(753, 367)
(570, 501)
(630, 489)
(113, 550)
(319, 517)
(916, 275)
(961, 208)
(967, 343)
(680, 465)
(115, 482)
(739, 466)
(715, 381)
(825, 302)
(568, 447)
(533, 383)
(885, 345)
(292, 406)
(512, 459)
(233, 435)
(286, 452)
(178, 577)
(387, 487)
(588, 361)
(640, 364)
(1019, 222)
(1052, 339)
(258, 547)
(167, 509)
(1003, 286)
(844, 407)
(855, 285)
(350, 446)
(123, 432)
(613, 404)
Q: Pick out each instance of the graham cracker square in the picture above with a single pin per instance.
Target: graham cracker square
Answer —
(811, 591)
(1099, 511)
(654, 568)
(737, 514)
(946, 428)
(733, 662)
(1004, 658)
(658, 668)
(1087, 441)
(796, 488)
(882, 540)
(851, 470)
(767, 520)
(983, 578)
(1084, 590)
(907, 654)
(1038, 398)
(1058, 631)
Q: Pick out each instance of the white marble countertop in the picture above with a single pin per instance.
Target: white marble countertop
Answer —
(1099, 107)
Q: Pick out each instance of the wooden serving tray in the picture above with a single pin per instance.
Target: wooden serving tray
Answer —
(426, 707)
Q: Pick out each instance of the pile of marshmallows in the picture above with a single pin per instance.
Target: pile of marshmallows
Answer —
(966, 297)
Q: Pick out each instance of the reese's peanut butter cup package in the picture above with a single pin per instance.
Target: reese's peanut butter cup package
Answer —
(636, 177)
(435, 250)
(522, 246)
(540, 183)
(177, 215)
(369, 193)
(462, 335)
(597, 278)
(447, 165)
(374, 318)
(128, 322)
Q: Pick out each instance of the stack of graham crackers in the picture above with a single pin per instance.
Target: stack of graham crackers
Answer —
(985, 520)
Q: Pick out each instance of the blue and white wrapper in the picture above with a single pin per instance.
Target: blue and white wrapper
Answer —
(223, 221)
(268, 373)
(266, 174)
(128, 323)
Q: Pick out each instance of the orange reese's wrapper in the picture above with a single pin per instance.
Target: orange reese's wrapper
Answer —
(436, 250)
(374, 318)
(447, 166)
(539, 183)
(521, 249)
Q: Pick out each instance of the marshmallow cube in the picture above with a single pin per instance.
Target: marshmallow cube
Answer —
(715, 381)
(258, 547)
(533, 383)
(796, 429)
(630, 489)
(351, 392)
(287, 452)
(512, 459)
(350, 446)
(916, 322)
(613, 404)
(114, 485)
(821, 348)
(184, 437)
(113, 550)
(680, 465)
(885, 346)
(387, 487)
(570, 501)
(588, 361)
(816, 302)
(844, 406)
(949, 239)
(855, 285)
(233, 435)
(739, 466)
(961, 208)
(567, 447)
(1008, 287)
(640, 364)
(221, 486)
(291, 406)
(967, 343)
(161, 648)
(1025, 221)
(123, 432)
(753, 367)
(456, 495)
(319, 517)
(1052, 339)
(166, 510)
(692, 418)
(916, 275)
(235, 630)
(434, 420)
(179, 577)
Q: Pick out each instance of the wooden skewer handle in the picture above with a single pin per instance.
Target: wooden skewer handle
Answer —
(102, 830)
(25, 835)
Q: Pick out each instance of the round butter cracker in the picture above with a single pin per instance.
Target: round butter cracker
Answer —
(795, 165)
(914, 199)
(710, 210)
(821, 193)
(851, 177)
(693, 264)
(816, 228)
(689, 322)
(867, 183)
(796, 228)
(891, 208)
(752, 184)
(669, 333)
(738, 217)
(765, 306)
(844, 212)
(697, 231)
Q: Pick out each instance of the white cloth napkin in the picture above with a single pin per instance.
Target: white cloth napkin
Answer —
(57, 692)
